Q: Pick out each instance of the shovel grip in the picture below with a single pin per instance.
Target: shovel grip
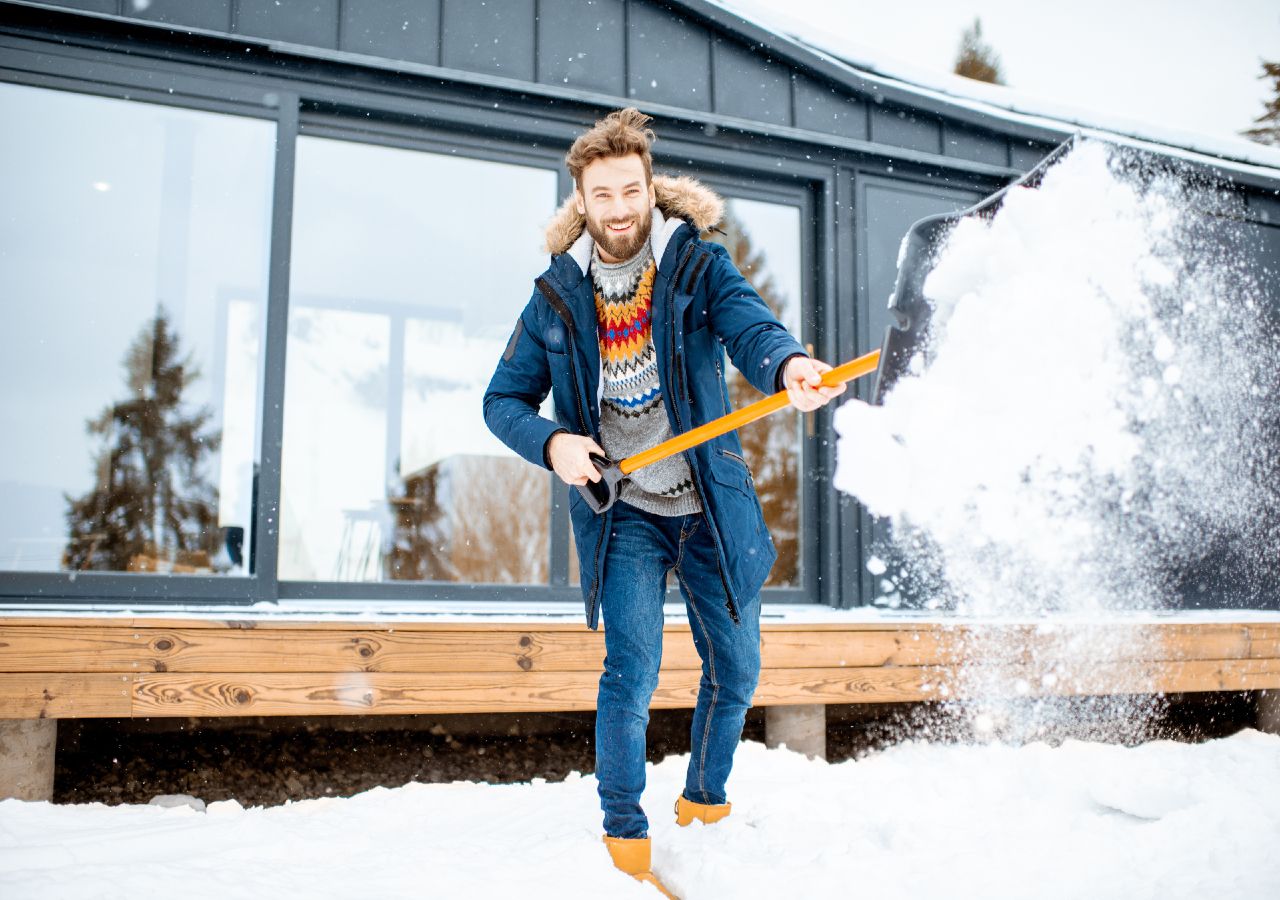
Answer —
(602, 494)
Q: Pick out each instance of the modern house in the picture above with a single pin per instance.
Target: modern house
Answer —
(258, 259)
(323, 217)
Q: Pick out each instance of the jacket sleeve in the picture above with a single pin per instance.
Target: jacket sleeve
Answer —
(756, 341)
(520, 383)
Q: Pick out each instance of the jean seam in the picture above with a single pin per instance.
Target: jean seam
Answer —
(715, 690)
(684, 536)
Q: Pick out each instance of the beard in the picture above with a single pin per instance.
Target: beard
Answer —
(620, 247)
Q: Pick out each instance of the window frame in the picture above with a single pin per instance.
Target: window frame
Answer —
(117, 82)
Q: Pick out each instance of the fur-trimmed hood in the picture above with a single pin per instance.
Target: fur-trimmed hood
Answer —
(680, 198)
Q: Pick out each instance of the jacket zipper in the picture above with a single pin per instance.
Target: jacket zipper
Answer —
(678, 365)
(566, 315)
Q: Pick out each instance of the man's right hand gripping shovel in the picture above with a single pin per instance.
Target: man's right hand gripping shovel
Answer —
(580, 461)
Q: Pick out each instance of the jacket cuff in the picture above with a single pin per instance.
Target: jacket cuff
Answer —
(546, 444)
(778, 380)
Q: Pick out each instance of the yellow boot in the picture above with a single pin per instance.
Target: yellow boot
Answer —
(632, 856)
(706, 813)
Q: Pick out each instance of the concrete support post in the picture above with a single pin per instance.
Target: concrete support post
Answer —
(1269, 712)
(802, 728)
(26, 758)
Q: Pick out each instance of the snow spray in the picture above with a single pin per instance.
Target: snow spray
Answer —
(1085, 434)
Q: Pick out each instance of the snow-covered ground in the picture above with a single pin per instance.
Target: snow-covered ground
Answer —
(1161, 820)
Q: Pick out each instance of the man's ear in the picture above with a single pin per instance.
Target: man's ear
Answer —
(653, 195)
(579, 203)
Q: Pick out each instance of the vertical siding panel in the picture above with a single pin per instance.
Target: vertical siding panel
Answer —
(211, 15)
(1024, 155)
(101, 6)
(750, 85)
(964, 142)
(903, 127)
(392, 29)
(310, 22)
(582, 44)
(668, 59)
(820, 107)
(494, 37)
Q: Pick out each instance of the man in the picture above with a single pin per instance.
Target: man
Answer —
(625, 330)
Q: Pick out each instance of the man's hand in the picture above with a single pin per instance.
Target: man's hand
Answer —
(803, 381)
(569, 454)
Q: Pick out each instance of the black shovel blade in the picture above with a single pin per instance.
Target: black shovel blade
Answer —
(910, 309)
(602, 494)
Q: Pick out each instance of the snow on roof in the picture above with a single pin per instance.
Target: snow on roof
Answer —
(1000, 101)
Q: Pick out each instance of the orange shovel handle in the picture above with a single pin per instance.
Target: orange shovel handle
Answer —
(863, 365)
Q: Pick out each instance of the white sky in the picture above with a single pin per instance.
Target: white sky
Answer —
(1187, 64)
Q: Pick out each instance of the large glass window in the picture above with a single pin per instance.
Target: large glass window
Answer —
(133, 270)
(763, 240)
(409, 270)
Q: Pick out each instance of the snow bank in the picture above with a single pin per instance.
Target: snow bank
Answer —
(919, 820)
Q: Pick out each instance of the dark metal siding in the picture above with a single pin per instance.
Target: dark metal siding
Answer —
(582, 44)
(749, 85)
(634, 50)
(821, 107)
(902, 127)
(310, 22)
(102, 6)
(979, 146)
(212, 15)
(668, 59)
(394, 29)
(493, 38)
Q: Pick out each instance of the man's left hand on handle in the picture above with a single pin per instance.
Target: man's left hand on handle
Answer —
(803, 382)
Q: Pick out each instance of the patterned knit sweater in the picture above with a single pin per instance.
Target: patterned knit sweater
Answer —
(632, 417)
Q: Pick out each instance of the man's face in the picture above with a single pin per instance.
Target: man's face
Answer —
(617, 201)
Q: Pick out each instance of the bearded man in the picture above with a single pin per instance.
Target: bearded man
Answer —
(625, 330)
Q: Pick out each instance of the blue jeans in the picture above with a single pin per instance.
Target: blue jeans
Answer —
(642, 548)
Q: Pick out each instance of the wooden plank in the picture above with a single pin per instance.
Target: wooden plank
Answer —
(61, 648)
(328, 693)
(132, 650)
(64, 696)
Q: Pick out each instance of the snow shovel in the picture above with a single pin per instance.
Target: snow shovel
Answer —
(910, 310)
(602, 494)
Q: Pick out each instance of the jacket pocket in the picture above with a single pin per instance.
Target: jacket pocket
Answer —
(732, 470)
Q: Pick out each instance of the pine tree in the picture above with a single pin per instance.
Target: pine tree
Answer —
(151, 506)
(771, 446)
(976, 59)
(1267, 130)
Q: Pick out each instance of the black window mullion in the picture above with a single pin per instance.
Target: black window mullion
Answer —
(560, 522)
(266, 530)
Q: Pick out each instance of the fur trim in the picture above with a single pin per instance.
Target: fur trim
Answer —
(680, 198)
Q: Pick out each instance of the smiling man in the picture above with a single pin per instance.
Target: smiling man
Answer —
(627, 330)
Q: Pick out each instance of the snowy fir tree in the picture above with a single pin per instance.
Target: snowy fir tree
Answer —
(1266, 128)
(151, 504)
(976, 59)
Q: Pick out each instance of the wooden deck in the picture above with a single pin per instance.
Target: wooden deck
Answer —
(123, 667)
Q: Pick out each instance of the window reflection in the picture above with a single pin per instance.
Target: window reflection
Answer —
(133, 258)
(409, 269)
(763, 239)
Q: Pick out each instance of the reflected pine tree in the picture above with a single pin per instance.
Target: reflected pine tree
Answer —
(151, 507)
(476, 519)
(772, 445)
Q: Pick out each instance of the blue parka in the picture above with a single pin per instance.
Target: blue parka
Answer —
(702, 306)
